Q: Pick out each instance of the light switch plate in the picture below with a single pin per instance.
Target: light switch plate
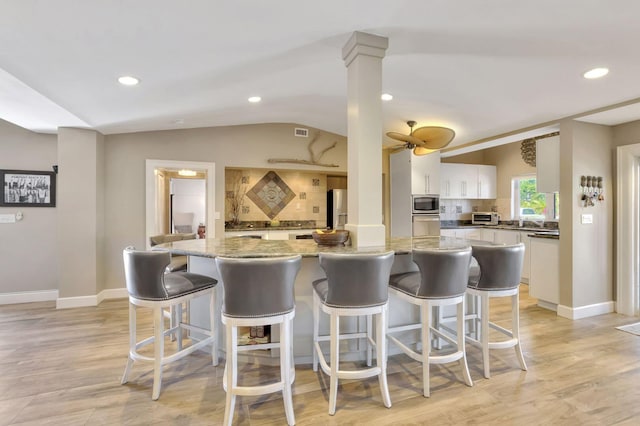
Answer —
(586, 219)
(7, 218)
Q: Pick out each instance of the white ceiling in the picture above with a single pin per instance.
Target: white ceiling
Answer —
(484, 68)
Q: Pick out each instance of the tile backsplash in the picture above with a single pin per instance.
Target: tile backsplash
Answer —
(461, 209)
(309, 201)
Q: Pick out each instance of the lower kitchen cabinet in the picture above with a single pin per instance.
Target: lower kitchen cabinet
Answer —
(544, 277)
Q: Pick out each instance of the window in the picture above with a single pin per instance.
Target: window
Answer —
(528, 204)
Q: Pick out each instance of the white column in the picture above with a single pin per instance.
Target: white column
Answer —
(363, 55)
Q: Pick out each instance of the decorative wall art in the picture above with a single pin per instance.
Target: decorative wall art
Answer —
(271, 194)
(23, 188)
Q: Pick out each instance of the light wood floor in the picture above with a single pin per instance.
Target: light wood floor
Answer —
(63, 367)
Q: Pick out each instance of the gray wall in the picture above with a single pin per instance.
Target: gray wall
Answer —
(27, 248)
(586, 250)
(232, 146)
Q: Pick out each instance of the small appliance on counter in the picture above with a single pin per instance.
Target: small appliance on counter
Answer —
(336, 208)
(485, 218)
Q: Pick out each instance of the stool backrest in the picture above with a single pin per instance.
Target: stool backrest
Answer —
(500, 267)
(357, 280)
(144, 273)
(443, 272)
(258, 287)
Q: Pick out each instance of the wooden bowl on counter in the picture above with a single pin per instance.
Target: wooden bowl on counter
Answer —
(330, 237)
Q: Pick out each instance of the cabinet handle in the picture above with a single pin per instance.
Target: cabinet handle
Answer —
(427, 185)
(464, 188)
(479, 189)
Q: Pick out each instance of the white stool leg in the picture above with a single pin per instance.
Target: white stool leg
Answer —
(231, 372)
(515, 320)
(381, 354)
(132, 342)
(316, 327)
(177, 321)
(461, 344)
(158, 343)
(369, 320)
(285, 369)
(335, 359)
(484, 333)
(425, 313)
(214, 326)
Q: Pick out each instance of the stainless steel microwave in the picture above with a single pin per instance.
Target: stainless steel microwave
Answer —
(485, 218)
(425, 204)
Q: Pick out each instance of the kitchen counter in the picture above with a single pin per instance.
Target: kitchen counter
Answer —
(245, 247)
(536, 232)
(202, 252)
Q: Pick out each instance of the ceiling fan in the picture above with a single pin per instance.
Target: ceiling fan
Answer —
(423, 140)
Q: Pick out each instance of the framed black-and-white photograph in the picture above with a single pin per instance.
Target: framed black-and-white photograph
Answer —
(25, 188)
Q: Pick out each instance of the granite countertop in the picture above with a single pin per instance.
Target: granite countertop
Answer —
(271, 228)
(536, 232)
(248, 247)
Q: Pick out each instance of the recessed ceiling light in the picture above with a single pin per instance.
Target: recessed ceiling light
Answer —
(386, 97)
(596, 73)
(128, 80)
(187, 172)
(255, 99)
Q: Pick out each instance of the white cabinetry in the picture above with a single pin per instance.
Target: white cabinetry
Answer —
(548, 164)
(545, 272)
(467, 181)
(463, 233)
(526, 264)
(410, 174)
(425, 173)
(486, 182)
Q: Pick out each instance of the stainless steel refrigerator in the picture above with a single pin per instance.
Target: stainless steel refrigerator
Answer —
(336, 208)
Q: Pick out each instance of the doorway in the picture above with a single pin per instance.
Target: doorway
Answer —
(158, 195)
(627, 230)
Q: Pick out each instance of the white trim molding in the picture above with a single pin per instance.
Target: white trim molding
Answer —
(151, 195)
(94, 300)
(586, 311)
(28, 297)
(627, 233)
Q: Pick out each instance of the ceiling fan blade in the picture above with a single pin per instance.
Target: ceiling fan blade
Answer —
(405, 138)
(421, 150)
(435, 137)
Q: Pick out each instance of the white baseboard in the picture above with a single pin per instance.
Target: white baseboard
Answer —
(586, 311)
(113, 293)
(83, 301)
(76, 302)
(28, 297)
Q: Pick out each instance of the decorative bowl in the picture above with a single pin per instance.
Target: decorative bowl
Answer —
(330, 237)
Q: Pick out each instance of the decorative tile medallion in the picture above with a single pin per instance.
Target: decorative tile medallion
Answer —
(271, 194)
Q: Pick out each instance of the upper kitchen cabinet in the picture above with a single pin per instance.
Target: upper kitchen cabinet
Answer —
(425, 173)
(467, 181)
(410, 174)
(548, 164)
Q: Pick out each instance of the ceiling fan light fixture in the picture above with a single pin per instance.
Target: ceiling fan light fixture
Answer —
(386, 96)
(424, 140)
(254, 99)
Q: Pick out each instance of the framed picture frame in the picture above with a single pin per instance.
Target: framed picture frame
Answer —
(26, 188)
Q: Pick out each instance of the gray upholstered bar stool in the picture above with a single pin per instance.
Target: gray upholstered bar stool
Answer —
(441, 281)
(150, 287)
(258, 292)
(497, 274)
(356, 285)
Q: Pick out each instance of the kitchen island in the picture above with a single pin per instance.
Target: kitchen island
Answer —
(201, 254)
